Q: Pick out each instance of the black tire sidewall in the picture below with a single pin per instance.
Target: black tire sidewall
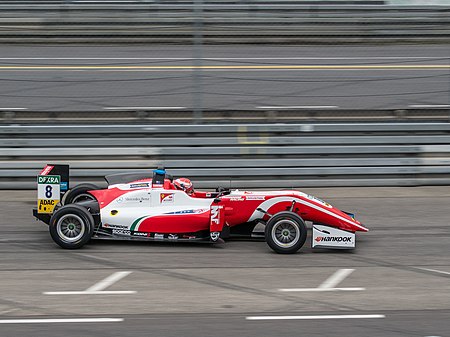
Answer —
(77, 190)
(302, 228)
(80, 212)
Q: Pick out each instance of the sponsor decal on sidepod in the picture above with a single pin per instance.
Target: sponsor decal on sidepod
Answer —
(166, 198)
(255, 197)
(139, 185)
(121, 232)
(106, 225)
(140, 234)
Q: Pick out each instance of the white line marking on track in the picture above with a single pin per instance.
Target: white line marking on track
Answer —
(434, 270)
(108, 281)
(336, 278)
(146, 108)
(300, 107)
(98, 288)
(429, 106)
(60, 320)
(85, 292)
(1, 109)
(260, 318)
(320, 289)
(329, 284)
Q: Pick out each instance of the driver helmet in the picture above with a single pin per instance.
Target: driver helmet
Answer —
(184, 184)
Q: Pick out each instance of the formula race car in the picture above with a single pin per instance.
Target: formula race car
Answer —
(154, 207)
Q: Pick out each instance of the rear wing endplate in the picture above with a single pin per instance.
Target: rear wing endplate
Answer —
(53, 182)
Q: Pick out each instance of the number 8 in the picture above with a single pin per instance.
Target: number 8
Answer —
(48, 191)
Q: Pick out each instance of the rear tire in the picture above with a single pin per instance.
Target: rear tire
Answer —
(285, 233)
(71, 226)
(79, 193)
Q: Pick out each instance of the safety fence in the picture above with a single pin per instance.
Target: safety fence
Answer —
(221, 22)
(281, 155)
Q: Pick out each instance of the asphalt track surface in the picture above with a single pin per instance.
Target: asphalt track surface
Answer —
(399, 273)
(73, 78)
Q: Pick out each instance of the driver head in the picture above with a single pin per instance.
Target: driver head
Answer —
(184, 184)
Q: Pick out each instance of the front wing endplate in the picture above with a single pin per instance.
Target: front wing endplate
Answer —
(331, 237)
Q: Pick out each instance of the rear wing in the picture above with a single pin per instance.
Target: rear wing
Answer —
(53, 183)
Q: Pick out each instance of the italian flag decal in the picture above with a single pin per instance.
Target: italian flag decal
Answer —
(137, 222)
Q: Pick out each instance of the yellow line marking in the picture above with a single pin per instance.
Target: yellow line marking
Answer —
(227, 67)
(243, 138)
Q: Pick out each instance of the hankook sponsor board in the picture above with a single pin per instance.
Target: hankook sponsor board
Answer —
(325, 236)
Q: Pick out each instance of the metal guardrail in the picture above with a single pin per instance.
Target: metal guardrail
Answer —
(221, 22)
(240, 156)
(259, 115)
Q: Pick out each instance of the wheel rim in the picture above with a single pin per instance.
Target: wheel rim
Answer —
(82, 197)
(70, 228)
(286, 233)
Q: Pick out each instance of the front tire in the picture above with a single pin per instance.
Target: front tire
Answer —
(285, 233)
(71, 226)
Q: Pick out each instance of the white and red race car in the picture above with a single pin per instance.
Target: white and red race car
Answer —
(139, 207)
